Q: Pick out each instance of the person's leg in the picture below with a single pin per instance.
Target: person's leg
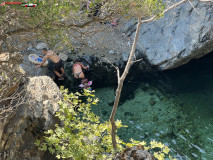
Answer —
(82, 76)
(62, 70)
(57, 73)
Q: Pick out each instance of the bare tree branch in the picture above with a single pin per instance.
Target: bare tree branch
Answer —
(11, 103)
(137, 60)
(195, 9)
(117, 69)
(166, 10)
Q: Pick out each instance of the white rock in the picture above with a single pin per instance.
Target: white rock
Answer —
(63, 56)
(41, 46)
(111, 52)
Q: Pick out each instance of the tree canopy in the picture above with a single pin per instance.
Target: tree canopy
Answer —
(54, 19)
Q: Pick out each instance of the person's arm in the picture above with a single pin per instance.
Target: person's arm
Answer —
(44, 60)
(84, 66)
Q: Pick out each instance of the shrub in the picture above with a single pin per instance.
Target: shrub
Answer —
(81, 135)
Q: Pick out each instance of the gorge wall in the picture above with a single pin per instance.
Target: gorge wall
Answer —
(25, 118)
(184, 33)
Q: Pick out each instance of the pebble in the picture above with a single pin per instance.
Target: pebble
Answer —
(111, 52)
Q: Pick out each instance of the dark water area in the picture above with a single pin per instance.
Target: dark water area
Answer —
(196, 76)
(193, 82)
(173, 106)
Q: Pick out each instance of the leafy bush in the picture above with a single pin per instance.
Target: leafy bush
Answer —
(81, 135)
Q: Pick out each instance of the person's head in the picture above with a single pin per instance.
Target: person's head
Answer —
(76, 60)
(44, 50)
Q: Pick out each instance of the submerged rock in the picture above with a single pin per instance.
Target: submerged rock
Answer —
(152, 101)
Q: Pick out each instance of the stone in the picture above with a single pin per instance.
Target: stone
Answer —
(111, 52)
(129, 44)
(40, 46)
(63, 56)
(30, 69)
(4, 57)
(30, 48)
(136, 152)
(125, 56)
(152, 102)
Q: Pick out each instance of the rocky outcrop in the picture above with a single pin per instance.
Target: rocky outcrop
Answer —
(182, 34)
(30, 115)
(11, 75)
(135, 153)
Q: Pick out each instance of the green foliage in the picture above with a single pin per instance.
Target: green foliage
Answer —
(159, 150)
(81, 135)
(53, 19)
(136, 8)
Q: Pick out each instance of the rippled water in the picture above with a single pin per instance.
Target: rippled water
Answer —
(179, 114)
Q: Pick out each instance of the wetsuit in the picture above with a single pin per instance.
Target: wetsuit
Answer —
(58, 65)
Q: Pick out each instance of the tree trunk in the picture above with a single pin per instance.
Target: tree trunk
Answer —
(120, 85)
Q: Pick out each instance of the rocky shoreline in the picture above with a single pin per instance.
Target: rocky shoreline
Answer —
(170, 42)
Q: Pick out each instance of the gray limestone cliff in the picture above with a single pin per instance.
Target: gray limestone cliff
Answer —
(26, 117)
(184, 33)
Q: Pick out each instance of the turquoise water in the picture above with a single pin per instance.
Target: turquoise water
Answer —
(179, 113)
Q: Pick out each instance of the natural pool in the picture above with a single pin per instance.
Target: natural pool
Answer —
(179, 114)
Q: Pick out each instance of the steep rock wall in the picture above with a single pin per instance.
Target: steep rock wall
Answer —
(182, 34)
(27, 118)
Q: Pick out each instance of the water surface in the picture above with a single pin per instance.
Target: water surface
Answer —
(179, 113)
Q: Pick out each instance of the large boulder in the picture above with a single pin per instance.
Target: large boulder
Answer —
(24, 119)
(184, 33)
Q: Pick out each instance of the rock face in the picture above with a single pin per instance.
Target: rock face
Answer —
(135, 153)
(27, 66)
(10, 73)
(184, 33)
(181, 35)
(27, 119)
